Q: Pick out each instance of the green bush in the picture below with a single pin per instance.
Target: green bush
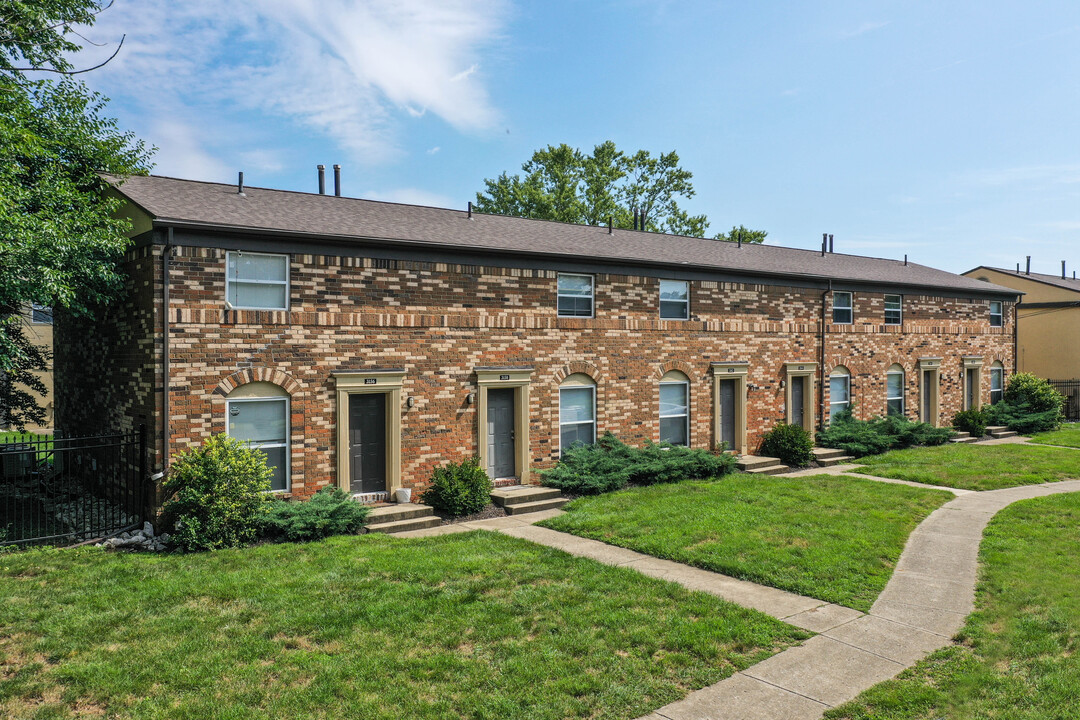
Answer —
(1028, 405)
(610, 464)
(878, 435)
(459, 488)
(790, 443)
(217, 495)
(971, 421)
(331, 511)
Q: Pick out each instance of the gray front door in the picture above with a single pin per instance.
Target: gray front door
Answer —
(727, 414)
(798, 385)
(500, 430)
(927, 396)
(367, 442)
(972, 401)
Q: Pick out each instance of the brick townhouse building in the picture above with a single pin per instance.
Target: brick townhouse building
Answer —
(362, 343)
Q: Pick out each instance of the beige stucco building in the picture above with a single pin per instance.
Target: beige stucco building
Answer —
(1048, 324)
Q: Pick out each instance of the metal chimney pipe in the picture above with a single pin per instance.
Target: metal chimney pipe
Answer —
(322, 179)
(824, 243)
(470, 209)
(831, 244)
(337, 180)
(240, 184)
(635, 218)
(1028, 264)
(610, 226)
(1062, 269)
(905, 259)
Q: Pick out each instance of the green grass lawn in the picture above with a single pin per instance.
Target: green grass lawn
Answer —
(828, 537)
(1068, 435)
(476, 625)
(1018, 657)
(976, 467)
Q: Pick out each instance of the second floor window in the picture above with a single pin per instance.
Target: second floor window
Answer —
(575, 295)
(41, 314)
(674, 300)
(893, 309)
(996, 317)
(257, 281)
(841, 308)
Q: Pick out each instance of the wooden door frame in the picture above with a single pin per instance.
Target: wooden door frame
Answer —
(377, 380)
(519, 379)
(808, 370)
(973, 362)
(932, 366)
(738, 372)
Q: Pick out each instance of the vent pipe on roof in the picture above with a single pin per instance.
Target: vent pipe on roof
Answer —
(322, 179)
(1062, 269)
(644, 228)
(470, 209)
(831, 244)
(1017, 268)
(905, 259)
(824, 243)
(635, 217)
(1028, 264)
(610, 225)
(240, 184)
(337, 180)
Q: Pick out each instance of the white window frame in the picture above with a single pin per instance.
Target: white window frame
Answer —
(288, 428)
(685, 416)
(229, 281)
(850, 307)
(38, 307)
(900, 301)
(1000, 372)
(590, 388)
(592, 295)
(846, 403)
(661, 301)
(1000, 314)
(903, 385)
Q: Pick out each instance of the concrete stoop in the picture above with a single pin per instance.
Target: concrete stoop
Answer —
(401, 517)
(827, 457)
(999, 431)
(962, 438)
(761, 465)
(523, 499)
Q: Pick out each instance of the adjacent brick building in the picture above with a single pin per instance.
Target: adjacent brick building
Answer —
(408, 336)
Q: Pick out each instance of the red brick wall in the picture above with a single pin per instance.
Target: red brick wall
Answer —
(442, 321)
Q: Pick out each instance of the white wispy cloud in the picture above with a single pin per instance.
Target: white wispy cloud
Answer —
(354, 71)
(868, 26)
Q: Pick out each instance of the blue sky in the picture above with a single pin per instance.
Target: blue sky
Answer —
(947, 131)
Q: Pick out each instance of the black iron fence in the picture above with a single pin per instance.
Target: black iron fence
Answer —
(1071, 390)
(62, 490)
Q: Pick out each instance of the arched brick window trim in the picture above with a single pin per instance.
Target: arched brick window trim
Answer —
(259, 374)
(578, 366)
(665, 367)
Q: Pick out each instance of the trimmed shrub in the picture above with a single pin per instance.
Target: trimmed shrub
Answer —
(331, 511)
(790, 443)
(218, 495)
(971, 421)
(610, 464)
(878, 435)
(459, 488)
(1028, 405)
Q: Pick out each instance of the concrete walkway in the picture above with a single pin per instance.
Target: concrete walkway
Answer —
(922, 607)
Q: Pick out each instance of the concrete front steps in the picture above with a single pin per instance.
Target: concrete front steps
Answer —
(401, 517)
(827, 457)
(761, 465)
(963, 438)
(999, 431)
(522, 499)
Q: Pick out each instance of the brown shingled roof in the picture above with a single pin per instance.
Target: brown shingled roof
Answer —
(1067, 283)
(170, 200)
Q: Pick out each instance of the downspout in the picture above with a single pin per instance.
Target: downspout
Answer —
(821, 360)
(1016, 335)
(165, 349)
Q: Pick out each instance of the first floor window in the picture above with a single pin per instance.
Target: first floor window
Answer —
(839, 392)
(997, 383)
(575, 295)
(675, 413)
(996, 316)
(894, 390)
(577, 416)
(893, 309)
(257, 281)
(842, 313)
(674, 300)
(263, 423)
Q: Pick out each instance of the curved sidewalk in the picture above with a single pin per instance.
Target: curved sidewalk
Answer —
(923, 605)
